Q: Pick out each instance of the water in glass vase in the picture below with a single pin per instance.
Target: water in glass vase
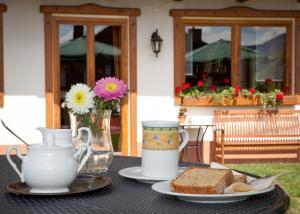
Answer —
(98, 162)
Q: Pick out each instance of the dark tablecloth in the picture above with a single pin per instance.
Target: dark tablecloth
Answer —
(127, 196)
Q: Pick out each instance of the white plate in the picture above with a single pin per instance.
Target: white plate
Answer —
(137, 174)
(164, 188)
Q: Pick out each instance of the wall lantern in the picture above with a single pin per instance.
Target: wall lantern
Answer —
(156, 42)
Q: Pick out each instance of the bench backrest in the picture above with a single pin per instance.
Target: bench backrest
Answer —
(260, 125)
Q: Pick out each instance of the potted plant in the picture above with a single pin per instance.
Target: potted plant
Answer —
(182, 114)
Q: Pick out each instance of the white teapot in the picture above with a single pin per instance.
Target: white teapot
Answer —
(50, 168)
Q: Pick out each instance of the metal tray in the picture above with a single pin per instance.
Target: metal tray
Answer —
(82, 184)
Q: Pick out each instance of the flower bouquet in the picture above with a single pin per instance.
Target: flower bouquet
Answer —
(92, 108)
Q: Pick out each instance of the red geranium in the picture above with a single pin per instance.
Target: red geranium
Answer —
(186, 85)
(226, 81)
(204, 75)
(286, 89)
(178, 90)
(200, 83)
(252, 90)
(279, 96)
(237, 89)
(213, 87)
(268, 81)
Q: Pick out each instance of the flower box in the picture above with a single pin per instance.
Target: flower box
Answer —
(238, 101)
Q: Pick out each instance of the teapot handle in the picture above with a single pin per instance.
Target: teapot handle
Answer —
(86, 150)
(185, 139)
(14, 166)
(80, 130)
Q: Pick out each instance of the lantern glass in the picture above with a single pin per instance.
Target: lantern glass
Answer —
(156, 42)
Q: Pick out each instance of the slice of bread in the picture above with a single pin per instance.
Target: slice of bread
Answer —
(197, 180)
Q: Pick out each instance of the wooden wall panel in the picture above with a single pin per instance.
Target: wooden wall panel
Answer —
(3, 9)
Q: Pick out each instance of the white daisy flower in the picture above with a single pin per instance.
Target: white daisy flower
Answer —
(80, 99)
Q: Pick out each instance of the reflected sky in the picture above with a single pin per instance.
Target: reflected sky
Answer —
(66, 31)
(213, 34)
(259, 35)
(250, 35)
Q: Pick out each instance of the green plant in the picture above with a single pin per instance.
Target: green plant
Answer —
(182, 111)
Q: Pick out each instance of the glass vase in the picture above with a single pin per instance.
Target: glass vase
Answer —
(101, 144)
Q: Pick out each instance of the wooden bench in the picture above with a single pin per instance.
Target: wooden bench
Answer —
(256, 135)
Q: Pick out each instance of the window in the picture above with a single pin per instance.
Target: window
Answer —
(85, 43)
(222, 44)
(207, 53)
(263, 55)
(2, 10)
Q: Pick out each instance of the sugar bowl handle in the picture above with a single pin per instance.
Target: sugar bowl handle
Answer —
(83, 149)
(80, 130)
(14, 166)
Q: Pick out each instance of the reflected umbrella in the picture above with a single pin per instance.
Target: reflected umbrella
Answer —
(78, 47)
(219, 50)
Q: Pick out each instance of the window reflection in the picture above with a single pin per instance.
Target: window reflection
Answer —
(73, 51)
(107, 51)
(263, 51)
(208, 54)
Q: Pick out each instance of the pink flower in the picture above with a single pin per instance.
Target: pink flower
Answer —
(268, 81)
(178, 90)
(110, 88)
(200, 83)
(226, 81)
(279, 96)
(186, 85)
(252, 90)
(213, 87)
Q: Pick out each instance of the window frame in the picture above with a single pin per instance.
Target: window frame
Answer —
(3, 9)
(236, 17)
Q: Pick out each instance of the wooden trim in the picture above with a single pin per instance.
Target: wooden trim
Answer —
(49, 70)
(90, 66)
(235, 12)
(297, 55)
(3, 9)
(235, 54)
(52, 22)
(179, 59)
(56, 75)
(124, 77)
(1, 62)
(133, 85)
(289, 59)
(84, 20)
(90, 9)
(238, 101)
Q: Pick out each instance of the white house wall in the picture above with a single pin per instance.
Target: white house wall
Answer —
(24, 63)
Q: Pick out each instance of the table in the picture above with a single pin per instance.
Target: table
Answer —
(199, 139)
(128, 196)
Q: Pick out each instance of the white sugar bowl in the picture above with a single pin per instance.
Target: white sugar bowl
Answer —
(49, 168)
